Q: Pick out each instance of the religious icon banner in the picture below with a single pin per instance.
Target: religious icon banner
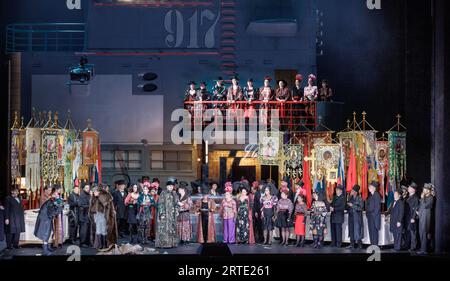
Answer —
(60, 143)
(15, 166)
(22, 147)
(90, 147)
(49, 168)
(293, 160)
(327, 160)
(397, 155)
(77, 161)
(32, 170)
(69, 155)
(270, 148)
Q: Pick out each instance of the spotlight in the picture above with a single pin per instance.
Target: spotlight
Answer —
(83, 72)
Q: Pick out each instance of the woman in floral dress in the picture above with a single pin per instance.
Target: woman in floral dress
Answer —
(244, 222)
(318, 225)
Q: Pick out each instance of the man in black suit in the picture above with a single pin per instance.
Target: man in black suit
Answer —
(119, 203)
(373, 212)
(256, 211)
(396, 212)
(337, 217)
(412, 219)
(14, 219)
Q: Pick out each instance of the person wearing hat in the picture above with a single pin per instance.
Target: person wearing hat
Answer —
(191, 95)
(424, 213)
(396, 214)
(244, 219)
(355, 205)
(412, 220)
(228, 212)
(121, 211)
(131, 202)
(297, 96)
(337, 209)
(266, 93)
(310, 91)
(44, 222)
(300, 212)
(14, 219)
(154, 187)
(214, 189)
(325, 92)
(203, 91)
(184, 226)
(145, 203)
(318, 224)
(234, 92)
(373, 212)
(283, 214)
(74, 214)
(166, 216)
(250, 94)
(103, 217)
(85, 198)
(205, 208)
(268, 204)
(256, 210)
(282, 95)
(219, 93)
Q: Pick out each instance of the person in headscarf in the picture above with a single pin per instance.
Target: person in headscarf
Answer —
(166, 217)
(318, 225)
(145, 203)
(244, 220)
(228, 211)
(300, 212)
(205, 208)
(268, 204)
(283, 216)
(131, 202)
(184, 225)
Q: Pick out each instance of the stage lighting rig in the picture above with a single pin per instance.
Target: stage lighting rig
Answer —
(82, 73)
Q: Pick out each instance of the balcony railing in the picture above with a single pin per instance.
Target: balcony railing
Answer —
(45, 37)
(292, 115)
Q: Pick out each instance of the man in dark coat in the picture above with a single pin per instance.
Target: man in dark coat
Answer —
(396, 212)
(14, 219)
(121, 210)
(373, 212)
(355, 207)
(412, 204)
(74, 214)
(425, 210)
(337, 209)
(256, 211)
(44, 222)
(84, 202)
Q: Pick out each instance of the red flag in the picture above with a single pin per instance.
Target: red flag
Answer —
(306, 179)
(364, 185)
(352, 178)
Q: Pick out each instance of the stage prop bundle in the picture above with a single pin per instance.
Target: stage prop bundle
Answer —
(356, 156)
(44, 153)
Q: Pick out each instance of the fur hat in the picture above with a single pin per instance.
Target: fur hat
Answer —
(299, 77)
(312, 76)
(356, 188)
(171, 181)
(228, 187)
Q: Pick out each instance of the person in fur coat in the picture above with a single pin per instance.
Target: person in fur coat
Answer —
(103, 217)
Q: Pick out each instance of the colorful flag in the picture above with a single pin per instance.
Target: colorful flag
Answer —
(306, 178)
(352, 177)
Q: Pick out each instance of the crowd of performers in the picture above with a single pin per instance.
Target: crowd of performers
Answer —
(100, 215)
(223, 97)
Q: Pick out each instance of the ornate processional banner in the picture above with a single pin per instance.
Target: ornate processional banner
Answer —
(293, 160)
(78, 159)
(90, 147)
(270, 148)
(15, 166)
(32, 170)
(49, 168)
(397, 156)
(69, 156)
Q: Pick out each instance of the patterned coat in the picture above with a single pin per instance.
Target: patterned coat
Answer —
(166, 220)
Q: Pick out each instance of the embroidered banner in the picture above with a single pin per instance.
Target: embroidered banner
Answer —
(397, 156)
(32, 170)
(60, 146)
(69, 155)
(49, 168)
(270, 148)
(293, 160)
(22, 147)
(327, 158)
(15, 166)
(77, 161)
(90, 150)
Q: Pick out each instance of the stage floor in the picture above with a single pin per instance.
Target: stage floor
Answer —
(238, 252)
